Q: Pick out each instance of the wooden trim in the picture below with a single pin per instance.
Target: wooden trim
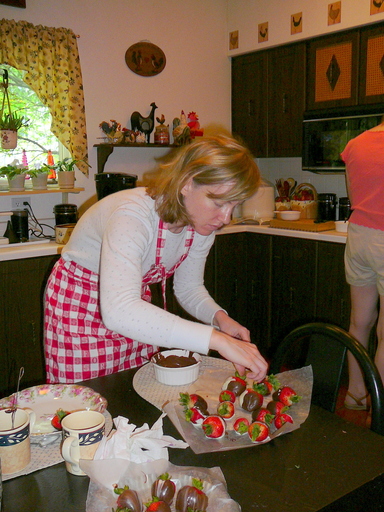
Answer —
(14, 3)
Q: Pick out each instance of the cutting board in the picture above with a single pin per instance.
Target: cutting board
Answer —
(303, 225)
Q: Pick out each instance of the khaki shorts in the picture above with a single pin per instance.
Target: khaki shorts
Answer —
(364, 257)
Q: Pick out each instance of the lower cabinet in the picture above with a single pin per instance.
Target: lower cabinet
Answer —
(22, 284)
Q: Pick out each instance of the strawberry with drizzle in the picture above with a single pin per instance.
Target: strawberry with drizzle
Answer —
(188, 401)
(192, 497)
(164, 488)
(251, 400)
(156, 505)
(286, 395)
(127, 500)
(267, 386)
(236, 383)
(262, 414)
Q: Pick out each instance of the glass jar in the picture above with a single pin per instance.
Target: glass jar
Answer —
(344, 208)
(326, 207)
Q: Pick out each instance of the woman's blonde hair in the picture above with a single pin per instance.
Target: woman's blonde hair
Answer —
(207, 161)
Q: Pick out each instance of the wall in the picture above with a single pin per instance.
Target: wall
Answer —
(245, 16)
(192, 34)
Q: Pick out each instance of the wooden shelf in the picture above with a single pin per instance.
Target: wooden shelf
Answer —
(49, 190)
(105, 149)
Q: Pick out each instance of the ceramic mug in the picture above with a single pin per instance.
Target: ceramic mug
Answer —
(63, 232)
(82, 433)
(15, 447)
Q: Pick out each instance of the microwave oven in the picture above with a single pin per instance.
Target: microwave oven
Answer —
(324, 139)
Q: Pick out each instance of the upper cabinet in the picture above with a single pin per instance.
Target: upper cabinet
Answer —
(371, 76)
(267, 97)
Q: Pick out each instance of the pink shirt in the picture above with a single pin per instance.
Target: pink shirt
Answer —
(364, 159)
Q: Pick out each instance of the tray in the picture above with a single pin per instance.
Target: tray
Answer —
(303, 225)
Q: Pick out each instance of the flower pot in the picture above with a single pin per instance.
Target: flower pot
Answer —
(8, 139)
(16, 184)
(66, 179)
(39, 182)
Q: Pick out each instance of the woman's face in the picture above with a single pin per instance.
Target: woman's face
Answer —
(207, 214)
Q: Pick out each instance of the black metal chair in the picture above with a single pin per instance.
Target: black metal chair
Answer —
(327, 359)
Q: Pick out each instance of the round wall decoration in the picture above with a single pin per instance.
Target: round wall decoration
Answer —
(145, 59)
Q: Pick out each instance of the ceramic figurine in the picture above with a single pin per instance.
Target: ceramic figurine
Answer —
(181, 131)
(112, 131)
(194, 125)
(161, 131)
(144, 124)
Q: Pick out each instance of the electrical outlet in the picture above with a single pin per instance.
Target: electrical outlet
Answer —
(17, 203)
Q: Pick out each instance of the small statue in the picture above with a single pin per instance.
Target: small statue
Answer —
(113, 131)
(161, 131)
(194, 125)
(144, 124)
(181, 131)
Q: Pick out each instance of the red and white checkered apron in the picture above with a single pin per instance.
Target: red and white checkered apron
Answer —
(78, 346)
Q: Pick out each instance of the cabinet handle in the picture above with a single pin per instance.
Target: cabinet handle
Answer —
(251, 107)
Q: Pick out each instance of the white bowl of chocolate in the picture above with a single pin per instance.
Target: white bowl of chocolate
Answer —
(176, 367)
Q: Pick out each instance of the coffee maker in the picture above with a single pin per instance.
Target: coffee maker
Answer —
(17, 226)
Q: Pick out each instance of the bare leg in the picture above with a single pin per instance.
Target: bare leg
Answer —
(379, 356)
(364, 313)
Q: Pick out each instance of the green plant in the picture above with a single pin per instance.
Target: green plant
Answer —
(66, 165)
(10, 121)
(10, 171)
(44, 169)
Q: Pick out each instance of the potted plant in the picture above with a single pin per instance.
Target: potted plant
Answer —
(15, 174)
(39, 177)
(10, 122)
(66, 172)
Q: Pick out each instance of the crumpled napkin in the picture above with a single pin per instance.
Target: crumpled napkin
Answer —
(137, 444)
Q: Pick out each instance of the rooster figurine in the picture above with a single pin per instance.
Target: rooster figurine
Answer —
(181, 131)
(144, 124)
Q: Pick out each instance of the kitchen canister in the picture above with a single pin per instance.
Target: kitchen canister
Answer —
(326, 207)
(344, 208)
(65, 214)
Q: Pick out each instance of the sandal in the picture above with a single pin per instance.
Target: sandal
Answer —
(359, 405)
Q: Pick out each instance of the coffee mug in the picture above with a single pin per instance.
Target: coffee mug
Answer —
(82, 433)
(15, 447)
(63, 232)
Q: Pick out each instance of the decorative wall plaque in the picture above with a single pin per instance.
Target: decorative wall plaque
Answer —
(145, 59)
(297, 23)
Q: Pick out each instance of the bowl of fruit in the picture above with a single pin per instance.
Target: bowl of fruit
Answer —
(176, 367)
(304, 200)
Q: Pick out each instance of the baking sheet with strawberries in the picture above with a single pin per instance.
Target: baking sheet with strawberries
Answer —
(209, 386)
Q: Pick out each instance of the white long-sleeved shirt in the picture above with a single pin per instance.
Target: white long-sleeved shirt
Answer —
(116, 238)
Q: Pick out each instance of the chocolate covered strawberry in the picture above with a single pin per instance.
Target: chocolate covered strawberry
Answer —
(226, 410)
(250, 400)
(192, 498)
(227, 396)
(281, 419)
(188, 401)
(214, 427)
(163, 488)
(267, 386)
(276, 407)
(258, 431)
(241, 426)
(262, 414)
(157, 505)
(286, 395)
(127, 500)
(236, 383)
(195, 416)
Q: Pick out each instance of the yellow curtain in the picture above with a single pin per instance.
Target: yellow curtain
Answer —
(51, 60)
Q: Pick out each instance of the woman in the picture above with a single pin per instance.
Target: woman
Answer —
(364, 256)
(98, 316)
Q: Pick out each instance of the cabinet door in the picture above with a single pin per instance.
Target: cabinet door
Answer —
(22, 284)
(333, 302)
(286, 100)
(249, 101)
(293, 285)
(258, 271)
(332, 71)
(371, 76)
(230, 275)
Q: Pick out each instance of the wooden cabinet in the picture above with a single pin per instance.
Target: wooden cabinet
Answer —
(22, 284)
(371, 76)
(268, 100)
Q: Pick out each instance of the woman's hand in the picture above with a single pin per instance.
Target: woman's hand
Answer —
(242, 353)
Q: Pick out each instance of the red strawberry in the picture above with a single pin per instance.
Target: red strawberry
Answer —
(127, 500)
(250, 400)
(194, 415)
(227, 396)
(226, 410)
(236, 383)
(281, 419)
(258, 431)
(188, 401)
(266, 387)
(276, 407)
(263, 414)
(214, 427)
(163, 488)
(286, 395)
(241, 426)
(56, 420)
(157, 505)
(192, 498)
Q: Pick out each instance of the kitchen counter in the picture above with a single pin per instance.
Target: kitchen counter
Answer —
(36, 249)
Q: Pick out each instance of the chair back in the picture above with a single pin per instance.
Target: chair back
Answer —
(327, 347)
